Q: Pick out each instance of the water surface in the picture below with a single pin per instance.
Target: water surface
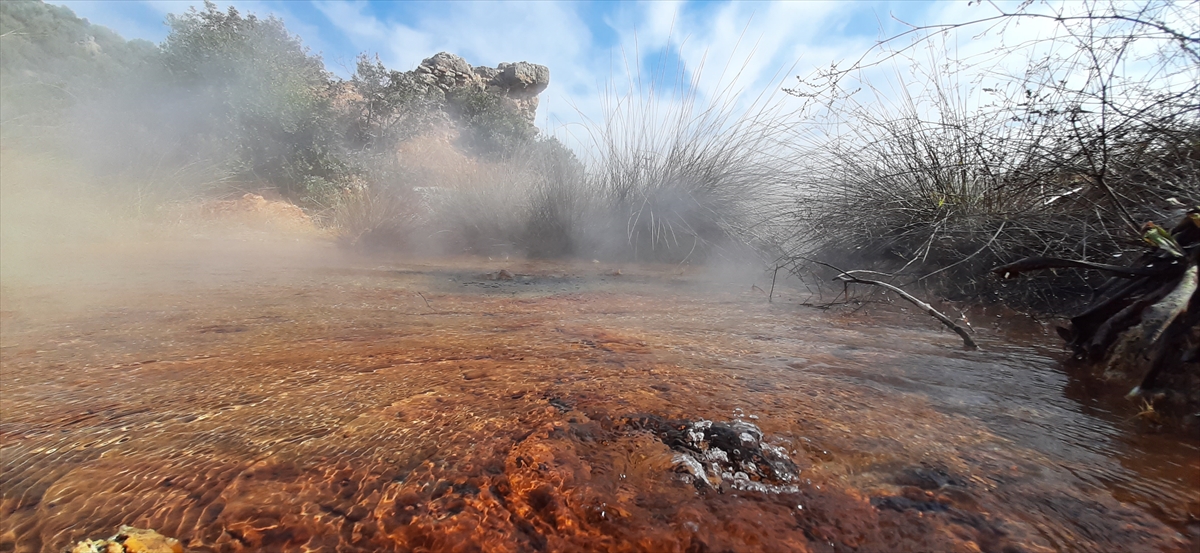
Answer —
(295, 399)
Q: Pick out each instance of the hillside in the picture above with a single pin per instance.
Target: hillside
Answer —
(50, 59)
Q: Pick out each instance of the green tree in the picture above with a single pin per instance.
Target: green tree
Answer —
(490, 126)
(261, 91)
(388, 106)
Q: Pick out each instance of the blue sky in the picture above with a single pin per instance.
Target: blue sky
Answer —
(403, 32)
(586, 44)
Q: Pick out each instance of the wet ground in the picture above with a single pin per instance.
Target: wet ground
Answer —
(293, 398)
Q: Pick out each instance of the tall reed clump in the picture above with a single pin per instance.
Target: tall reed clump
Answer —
(681, 176)
(1067, 156)
(530, 203)
(672, 178)
(379, 211)
(430, 197)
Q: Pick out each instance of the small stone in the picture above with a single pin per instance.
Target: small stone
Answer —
(131, 540)
(85, 546)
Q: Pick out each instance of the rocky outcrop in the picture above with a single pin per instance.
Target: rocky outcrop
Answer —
(519, 83)
(446, 71)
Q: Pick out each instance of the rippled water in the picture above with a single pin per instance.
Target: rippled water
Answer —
(300, 402)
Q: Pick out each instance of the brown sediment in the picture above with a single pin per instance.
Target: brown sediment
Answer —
(356, 405)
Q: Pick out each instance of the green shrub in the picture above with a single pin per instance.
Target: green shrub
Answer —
(388, 107)
(489, 125)
(260, 92)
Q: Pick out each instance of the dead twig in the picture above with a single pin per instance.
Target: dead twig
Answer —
(964, 260)
(967, 341)
(771, 295)
(848, 277)
(1037, 263)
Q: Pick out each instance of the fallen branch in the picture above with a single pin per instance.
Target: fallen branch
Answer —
(967, 341)
(425, 300)
(848, 277)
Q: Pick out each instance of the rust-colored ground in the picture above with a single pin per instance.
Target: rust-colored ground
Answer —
(258, 397)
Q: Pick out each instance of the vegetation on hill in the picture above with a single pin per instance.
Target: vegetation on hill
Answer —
(51, 60)
(226, 94)
(261, 96)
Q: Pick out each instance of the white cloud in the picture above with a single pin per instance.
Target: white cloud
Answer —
(751, 48)
(747, 46)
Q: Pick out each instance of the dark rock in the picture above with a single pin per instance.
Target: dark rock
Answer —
(717, 453)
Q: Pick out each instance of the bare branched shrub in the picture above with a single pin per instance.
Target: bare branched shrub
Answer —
(1094, 133)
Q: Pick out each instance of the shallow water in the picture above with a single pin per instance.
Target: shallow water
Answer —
(294, 399)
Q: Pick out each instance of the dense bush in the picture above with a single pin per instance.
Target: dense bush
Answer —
(531, 202)
(259, 91)
(490, 126)
(385, 106)
(1065, 157)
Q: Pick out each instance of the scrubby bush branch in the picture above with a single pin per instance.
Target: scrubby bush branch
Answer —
(986, 165)
(1144, 17)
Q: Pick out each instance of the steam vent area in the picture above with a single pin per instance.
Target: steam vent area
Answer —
(284, 395)
(343, 293)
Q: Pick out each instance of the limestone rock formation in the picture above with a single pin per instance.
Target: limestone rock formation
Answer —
(520, 82)
(522, 78)
(446, 71)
